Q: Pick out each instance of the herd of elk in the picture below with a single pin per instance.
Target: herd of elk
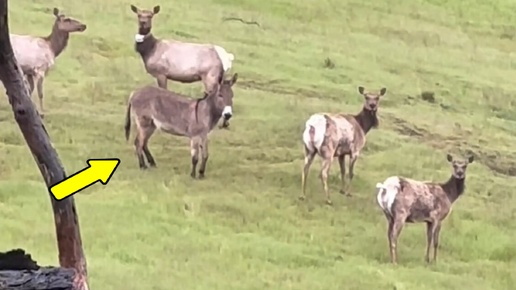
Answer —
(328, 135)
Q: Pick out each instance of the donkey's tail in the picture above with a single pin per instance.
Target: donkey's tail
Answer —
(128, 119)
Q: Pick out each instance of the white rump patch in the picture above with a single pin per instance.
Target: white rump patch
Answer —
(318, 122)
(139, 38)
(225, 57)
(387, 192)
(227, 110)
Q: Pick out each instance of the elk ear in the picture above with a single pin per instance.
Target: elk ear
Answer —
(471, 158)
(361, 90)
(55, 12)
(156, 9)
(449, 157)
(134, 9)
(383, 91)
(234, 79)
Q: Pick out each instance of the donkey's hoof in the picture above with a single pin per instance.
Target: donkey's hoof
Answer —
(143, 167)
(342, 191)
(201, 176)
(153, 165)
(302, 197)
(192, 175)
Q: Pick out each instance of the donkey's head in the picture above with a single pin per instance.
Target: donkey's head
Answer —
(372, 99)
(67, 24)
(459, 166)
(224, 97)
(145, 18)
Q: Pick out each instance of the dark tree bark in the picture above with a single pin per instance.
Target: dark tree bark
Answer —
(43, 279)
(65, 216)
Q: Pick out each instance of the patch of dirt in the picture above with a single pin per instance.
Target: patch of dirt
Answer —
(502, 164)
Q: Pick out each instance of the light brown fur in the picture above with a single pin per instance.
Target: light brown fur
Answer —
(36, 55)
(157, 108)
(345, 134)
(416, 201)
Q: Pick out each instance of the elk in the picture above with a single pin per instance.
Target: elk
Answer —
(36, 55)
(337, 135)
(157, 108)
(168, 59)
(404, 200)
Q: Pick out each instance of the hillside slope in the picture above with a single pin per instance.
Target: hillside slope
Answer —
(243, 227)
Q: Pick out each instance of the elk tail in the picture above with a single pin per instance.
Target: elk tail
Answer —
(128, 119)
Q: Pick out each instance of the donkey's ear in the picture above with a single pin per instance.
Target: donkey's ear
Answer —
(471, 158)
(55, 12)
(361, 90)
(449, 157)
(134, 9)
(156, 9)
(234, 79)
(383, 91)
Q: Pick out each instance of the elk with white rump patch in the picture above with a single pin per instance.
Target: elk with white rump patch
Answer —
(157, 108)
(168, 59)
(338, 135)
(36, 55)
(404, 200)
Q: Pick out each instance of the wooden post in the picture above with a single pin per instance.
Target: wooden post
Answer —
(65, 215)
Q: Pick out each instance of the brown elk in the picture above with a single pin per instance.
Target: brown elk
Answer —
(338, 135)
(404, 200)
(36, 55)
(168, 59)
(157, 108)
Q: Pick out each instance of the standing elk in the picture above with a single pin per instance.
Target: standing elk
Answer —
(404, 200)
(36, 55)
(338, 135)
(156, 108)
(168, 59)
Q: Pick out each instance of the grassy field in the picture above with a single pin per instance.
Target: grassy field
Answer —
(244, 227)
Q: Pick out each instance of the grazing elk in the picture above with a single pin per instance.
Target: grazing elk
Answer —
(338, 135)
(157, 108)
(36, 55)
(168, 59)
(404, 200)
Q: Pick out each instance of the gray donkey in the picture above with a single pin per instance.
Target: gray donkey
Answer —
(338, 135)
(36, 55)
(156, 108)
(404, 200)
(168, 59)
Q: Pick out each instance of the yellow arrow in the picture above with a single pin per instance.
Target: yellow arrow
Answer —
(98, 170)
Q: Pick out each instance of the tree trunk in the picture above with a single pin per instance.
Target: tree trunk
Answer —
(65, 216)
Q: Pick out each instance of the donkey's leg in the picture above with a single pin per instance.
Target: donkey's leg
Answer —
(205, 155)
(39, 86)
(148, 133)
(342, 165)
(195, 143)
(309, 158)
(162, 81)
(139, 141)
(141, 161)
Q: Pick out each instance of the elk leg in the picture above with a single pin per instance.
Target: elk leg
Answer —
(205, 155)
(30, 82)
(326, 164)
(429, 239)
(437, 231)
(194, 152)
(342, 165)
(352, 161)
(389, 236)
(309, 158)
(39, 86)
(148, 133)
(393, 239)
(162, 81)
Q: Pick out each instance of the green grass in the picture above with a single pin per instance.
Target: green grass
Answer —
(245, 228)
